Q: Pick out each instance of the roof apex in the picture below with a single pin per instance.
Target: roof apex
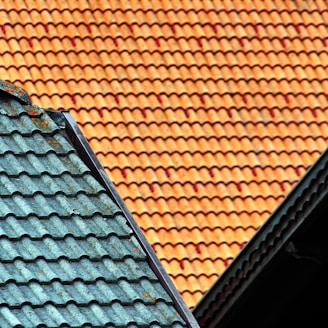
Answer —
(17, 92)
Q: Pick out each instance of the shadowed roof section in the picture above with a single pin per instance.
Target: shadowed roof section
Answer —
(71, 254)
(280, 277)
(203, 113)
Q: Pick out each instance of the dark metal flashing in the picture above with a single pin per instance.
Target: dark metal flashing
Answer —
(58, 117)
(274, 236)
(87, 155)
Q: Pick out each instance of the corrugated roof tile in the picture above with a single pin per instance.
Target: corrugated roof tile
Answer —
(68, 253)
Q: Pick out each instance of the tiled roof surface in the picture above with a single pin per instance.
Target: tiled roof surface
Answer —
(204, 113)
(68, 257)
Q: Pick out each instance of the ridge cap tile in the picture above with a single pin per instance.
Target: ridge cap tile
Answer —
(15, 91)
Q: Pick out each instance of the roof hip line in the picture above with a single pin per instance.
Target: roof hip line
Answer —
(90, 159)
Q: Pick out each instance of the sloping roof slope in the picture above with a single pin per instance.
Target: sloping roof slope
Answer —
(203, 113)
(68, 255)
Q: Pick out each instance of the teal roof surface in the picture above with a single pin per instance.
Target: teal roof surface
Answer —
(68, 257)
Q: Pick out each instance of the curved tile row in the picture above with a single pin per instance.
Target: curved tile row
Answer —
(177, 29)
(213, 84)
(216, 137)
(134, 84)
(224, 220)
(126, 87)
(173, 47)
(205, 174)
(197, 190)
(158, 41)
(186, 257)
(40, 270)
(197, 267)
(108, 51)
(47, 185)
(174, 57)
(81, 293)
(69, 248)
(107, 315)
(121, 159)
(214, 117)
(171, 205)
(58, 227)
(78, 100)
(187, 7)
(195, 240)
(147, 157)
(72, 70)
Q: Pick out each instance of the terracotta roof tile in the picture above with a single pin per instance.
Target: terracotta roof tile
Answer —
(204, 115)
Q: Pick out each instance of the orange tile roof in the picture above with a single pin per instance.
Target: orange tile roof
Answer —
(203, 113)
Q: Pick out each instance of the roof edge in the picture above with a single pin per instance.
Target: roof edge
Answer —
(89, 157)
(15, 91)
(284, 221)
